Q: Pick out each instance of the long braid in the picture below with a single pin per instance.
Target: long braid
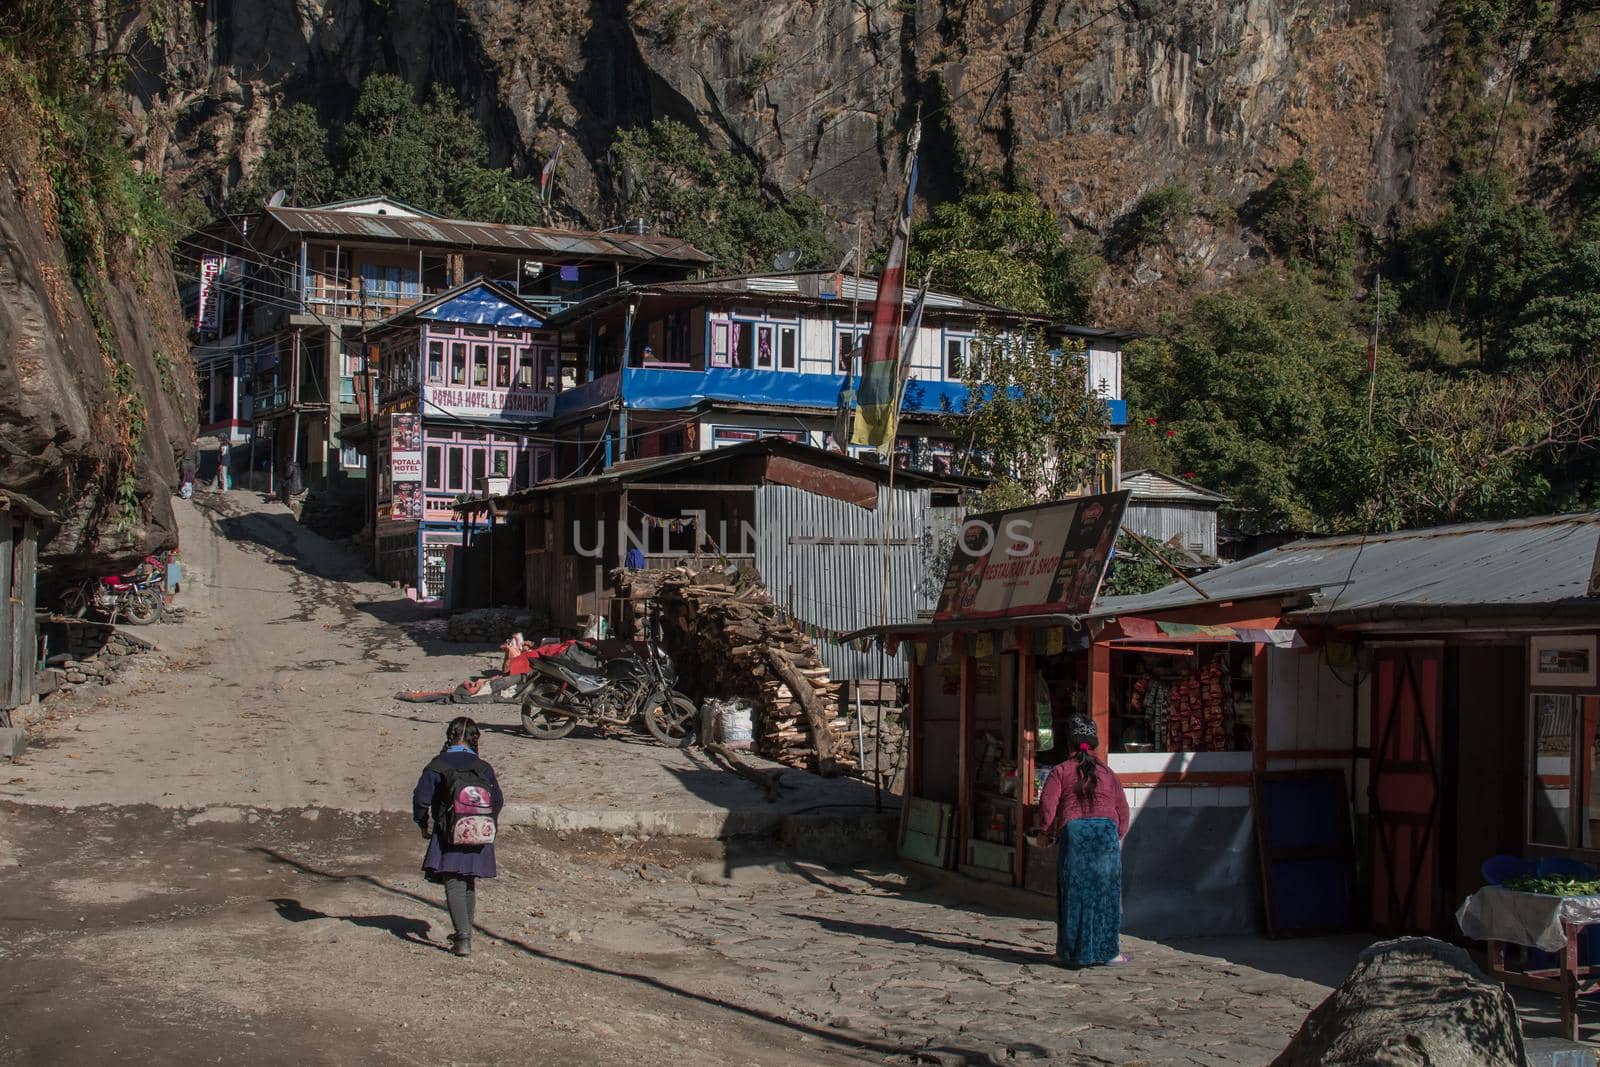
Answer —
(1088, 783)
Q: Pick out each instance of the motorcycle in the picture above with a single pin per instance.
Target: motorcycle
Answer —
(137, 597)
(598, 682)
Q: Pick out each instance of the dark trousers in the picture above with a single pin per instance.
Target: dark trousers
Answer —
(461, 899)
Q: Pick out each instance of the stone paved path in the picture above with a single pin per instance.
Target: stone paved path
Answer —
(291, 939)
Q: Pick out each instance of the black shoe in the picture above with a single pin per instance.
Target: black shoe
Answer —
(461, 944)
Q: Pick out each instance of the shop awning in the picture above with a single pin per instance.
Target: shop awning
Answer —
(1154, 631)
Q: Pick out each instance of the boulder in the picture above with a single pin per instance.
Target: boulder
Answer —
(1413, 1002)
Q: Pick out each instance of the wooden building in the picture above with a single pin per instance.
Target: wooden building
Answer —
(1175, 514)
(19, 565)
(812, 523)
(1446, 675)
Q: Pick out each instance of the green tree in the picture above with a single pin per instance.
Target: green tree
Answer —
(1007, 249)
(1254, 385)
(1289, 213)
(490, 195)
(1028, 421)
(295, 160)
(1480, 261)
(1562, 322)
(428, 155)
(1153, 217)
(714, 200)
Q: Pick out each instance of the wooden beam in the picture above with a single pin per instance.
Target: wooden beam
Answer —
(1259, 708)
(964, 722)
(691, 487)
(1100, 693)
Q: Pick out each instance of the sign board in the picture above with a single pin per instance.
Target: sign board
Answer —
(1042, 560)
(405, 447)
(405, 502)
(512, 405)
(208, 316)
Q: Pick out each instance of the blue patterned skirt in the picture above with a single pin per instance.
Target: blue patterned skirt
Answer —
(1088, 893)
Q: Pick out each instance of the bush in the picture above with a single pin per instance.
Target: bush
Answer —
(1154, 215)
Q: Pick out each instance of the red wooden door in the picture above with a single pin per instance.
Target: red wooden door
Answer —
(1404, 791)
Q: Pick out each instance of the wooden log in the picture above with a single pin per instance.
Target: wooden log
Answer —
(827, 765)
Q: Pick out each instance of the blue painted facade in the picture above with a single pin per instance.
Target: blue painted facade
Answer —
(656, 389)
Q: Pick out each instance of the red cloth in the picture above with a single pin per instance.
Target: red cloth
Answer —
(521, 662)
(1059, 803)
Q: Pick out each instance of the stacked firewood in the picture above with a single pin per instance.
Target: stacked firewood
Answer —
(730, 640)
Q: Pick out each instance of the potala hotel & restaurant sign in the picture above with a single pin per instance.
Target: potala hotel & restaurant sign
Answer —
(512, 405)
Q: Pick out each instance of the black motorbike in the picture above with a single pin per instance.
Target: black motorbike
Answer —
(609, 684)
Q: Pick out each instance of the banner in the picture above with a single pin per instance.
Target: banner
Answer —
(880, 386)
(208, 316)
(511, 405)
(1043, 560)
(908, 347)
(405, 447)
(405, 501)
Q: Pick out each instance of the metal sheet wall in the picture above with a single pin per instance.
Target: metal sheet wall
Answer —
(839, 584)
(1195, 527)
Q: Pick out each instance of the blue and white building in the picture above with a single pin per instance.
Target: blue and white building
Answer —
(692, 365)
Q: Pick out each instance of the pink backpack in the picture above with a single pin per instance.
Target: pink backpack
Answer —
(464, 809)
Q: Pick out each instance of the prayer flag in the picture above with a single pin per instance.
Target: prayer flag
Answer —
(548, 174)
(880, 385)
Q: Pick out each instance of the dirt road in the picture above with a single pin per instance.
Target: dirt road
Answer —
(211, 862)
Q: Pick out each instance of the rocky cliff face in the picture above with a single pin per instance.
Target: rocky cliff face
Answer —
(66, 438)
(1091, 102)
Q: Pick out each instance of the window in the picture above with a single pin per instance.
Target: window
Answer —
(430, 471)
(480, 465)
(352, 457)
(847, 344)
(502, 367)
(435, 361)
(744, 345)
(788, 348)
(720, 341)
(1564, 771)
(955, 357)
(480, 366)
(458, 363)
(763, 347)
(502, 463)
(457, 480)
(336, 268)
(525, 368)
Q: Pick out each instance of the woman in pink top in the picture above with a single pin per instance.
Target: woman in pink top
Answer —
(1084, 806)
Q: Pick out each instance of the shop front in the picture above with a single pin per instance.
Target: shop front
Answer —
(1180, 709)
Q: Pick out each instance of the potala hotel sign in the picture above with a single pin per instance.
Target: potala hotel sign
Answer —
(519, 405)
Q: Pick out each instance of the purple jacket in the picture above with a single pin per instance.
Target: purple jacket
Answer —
(442, 858)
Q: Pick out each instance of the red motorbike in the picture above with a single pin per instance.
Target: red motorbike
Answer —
(137, 597)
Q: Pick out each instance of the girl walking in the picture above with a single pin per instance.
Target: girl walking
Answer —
(1084, 804)
(459, 795)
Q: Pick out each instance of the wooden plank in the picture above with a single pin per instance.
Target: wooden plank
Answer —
(964, 741)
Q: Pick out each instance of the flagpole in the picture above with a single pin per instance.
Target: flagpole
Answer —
(1372, 352)
(894, 412)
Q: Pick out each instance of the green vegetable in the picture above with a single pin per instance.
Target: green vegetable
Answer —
(1555, 886)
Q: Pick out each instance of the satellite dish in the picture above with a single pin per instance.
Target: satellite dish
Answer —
(786, 260)
(278, 198)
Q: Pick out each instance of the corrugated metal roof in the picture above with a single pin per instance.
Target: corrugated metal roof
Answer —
(635, 470)
(1520, 567)
(1153, 485)
(804, 287)
(463, 233)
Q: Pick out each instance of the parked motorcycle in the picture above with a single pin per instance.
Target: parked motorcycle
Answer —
(601, 683)
(137, 597)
